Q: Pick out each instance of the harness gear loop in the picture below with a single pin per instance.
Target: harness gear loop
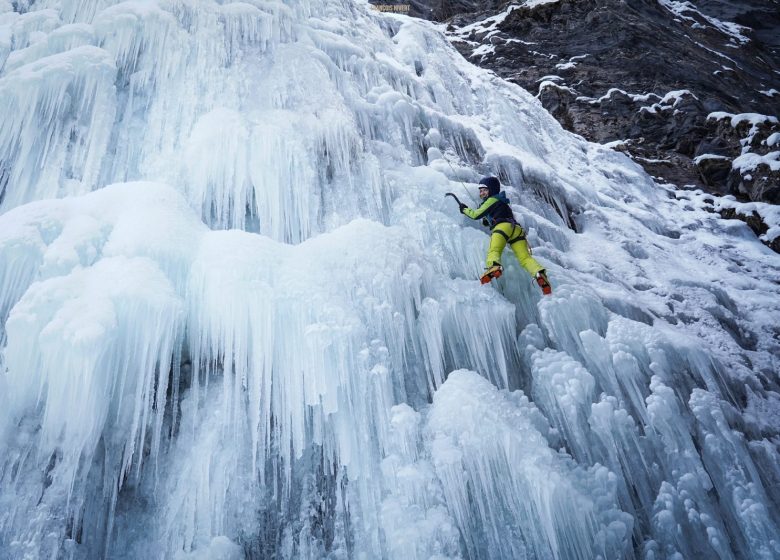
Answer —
(510, 240)
(520, 237)
(500, 232)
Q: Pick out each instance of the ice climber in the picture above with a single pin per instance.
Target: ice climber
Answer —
(504, 229)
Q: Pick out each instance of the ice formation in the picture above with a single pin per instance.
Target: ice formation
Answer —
(238, 319)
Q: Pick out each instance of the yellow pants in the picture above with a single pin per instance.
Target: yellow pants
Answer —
(503, 233)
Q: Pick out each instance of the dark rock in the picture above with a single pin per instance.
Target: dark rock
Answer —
(640, 47)
(714, 171)
(753, 220)
(440, 10)
(760, 184)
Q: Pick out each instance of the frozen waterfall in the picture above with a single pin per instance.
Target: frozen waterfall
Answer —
(239, 319)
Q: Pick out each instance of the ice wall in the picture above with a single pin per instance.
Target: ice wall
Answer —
(239, 319)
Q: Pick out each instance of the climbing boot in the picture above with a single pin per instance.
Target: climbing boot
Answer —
(494, 271)
(544, 283)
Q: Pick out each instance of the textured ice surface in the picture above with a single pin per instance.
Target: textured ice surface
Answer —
(239, 319)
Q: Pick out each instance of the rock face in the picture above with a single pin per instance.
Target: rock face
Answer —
(690, 90)
(441, 10)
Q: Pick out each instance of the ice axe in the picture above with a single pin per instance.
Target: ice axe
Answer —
(461, 206)
(453, 196)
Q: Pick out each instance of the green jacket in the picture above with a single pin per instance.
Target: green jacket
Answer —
(495, 210)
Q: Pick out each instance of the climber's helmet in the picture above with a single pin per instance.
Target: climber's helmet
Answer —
(492, 184)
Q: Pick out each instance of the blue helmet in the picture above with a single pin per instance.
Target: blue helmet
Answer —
(493, 185)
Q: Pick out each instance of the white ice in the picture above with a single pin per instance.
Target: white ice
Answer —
(239, 319)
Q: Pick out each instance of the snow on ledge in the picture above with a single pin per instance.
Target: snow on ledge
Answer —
(753, 118)
(769, 213)
(668, 101)
(565, 65)
(487, 24)
(612, 91)
(572, 62)
(534, 3)
(749, 161)
(615, 144)
(698, 159)
(484, 50)
(491, 23)
(549, 83)
(679, 9)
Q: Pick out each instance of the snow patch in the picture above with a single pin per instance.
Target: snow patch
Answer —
(698, 159)
(484, 50)
(565, 65)
(614, 91)
(488, 24)
(754, 119)
(681, 9)
(535, 3)
(615, 144)
(769, 213)
(750, 161)
(668, 101)
(553, 84)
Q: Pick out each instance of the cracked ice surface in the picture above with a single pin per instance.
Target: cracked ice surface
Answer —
(239, 319)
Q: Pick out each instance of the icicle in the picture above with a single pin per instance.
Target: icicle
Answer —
(563, 389)
(616, 372)
(245, 25)
(102, 337)
(414, 517)
(509, 477)
(742, 494)
(683, 525)
(82, 11)
(60, 40)
(294, 398)
(140, 35)
(210, 476)
(481, 333)
(625, 451)
(217, 164)
(43, 104)
(683, 498)
(28, 28)
(432, 342)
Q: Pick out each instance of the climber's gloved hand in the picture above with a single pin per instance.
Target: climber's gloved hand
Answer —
(462, 207)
